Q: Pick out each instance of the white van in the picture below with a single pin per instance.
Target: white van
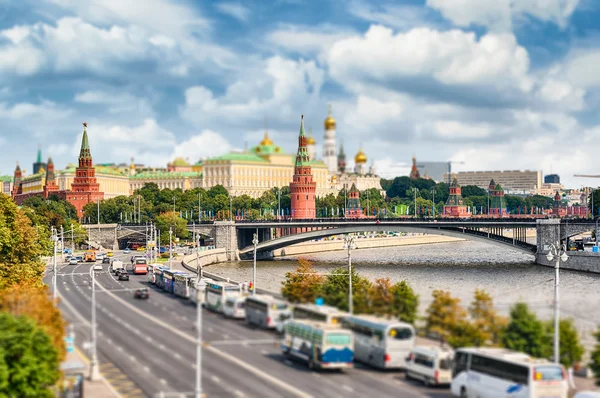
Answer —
(431, 365)
(116, 265)
(235, 307)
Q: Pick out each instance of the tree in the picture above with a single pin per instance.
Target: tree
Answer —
(336, 287)
(20, 246)
(472, 190)
(514, 203)
(594, 201)
(526, 333)
(34, 302)
(486, 319)
(381, 297)
(399, 187)
(571, 350)
(171, 220)
(302, 285)
(405, 302)
(29, 362)
(445, 316)
(217, 190)
(595, 358)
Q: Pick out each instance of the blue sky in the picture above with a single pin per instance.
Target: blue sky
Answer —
(497, 84)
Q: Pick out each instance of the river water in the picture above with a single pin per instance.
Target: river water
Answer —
(459, 267)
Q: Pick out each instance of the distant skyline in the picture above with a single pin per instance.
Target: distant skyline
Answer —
(500, 85)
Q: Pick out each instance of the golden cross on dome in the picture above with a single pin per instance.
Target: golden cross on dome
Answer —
(84, 124)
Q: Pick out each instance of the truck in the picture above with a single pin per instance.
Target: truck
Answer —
(116, 265)
(89, 256)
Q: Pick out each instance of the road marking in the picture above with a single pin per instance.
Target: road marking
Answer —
(264, 352)
(148, 339)
(348, 388)
(176, 356)
(287, 362)
(161, 346)
(238, 393)
(119, 348)
(250, 368)
(108, 340)
(132, 358)
(147, 369)
(163, 382)
(216, 379)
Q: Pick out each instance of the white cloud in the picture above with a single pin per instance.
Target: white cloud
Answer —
(581, 67)
(307, 40)
(500, 14)
(402, 17)
(115, 102)
(206, 144)
(235, 10)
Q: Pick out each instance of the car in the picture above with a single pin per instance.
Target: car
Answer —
(142, 293)
(106, 260)
(126, 251)
(110, 254)
(141, 249)
(99, 256)
(97, 266)
(122, 275)
(79, 259)
(73, 261)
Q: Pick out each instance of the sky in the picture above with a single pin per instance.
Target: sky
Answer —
(498, 85)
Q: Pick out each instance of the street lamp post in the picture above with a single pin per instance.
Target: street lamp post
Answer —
(198, 393)
(54, 241)
(279, 203)
(556, 252)
(254, 242)
(349, 245)
(170, 247)
(94, 371)
(416, 202)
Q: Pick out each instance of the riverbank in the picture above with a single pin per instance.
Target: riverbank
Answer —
(362, 242)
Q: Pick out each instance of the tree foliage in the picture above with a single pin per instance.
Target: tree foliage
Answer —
(336, 287)
(405, 302)
(595, 358)
(171, 220)
(570, 348)
(526, 333)
(20, 246)
(486, 319)
(302, 285)
(447, 319)
(29, 362)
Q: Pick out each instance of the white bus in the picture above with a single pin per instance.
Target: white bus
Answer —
(319, 313)
(320, 344)
(265, 311)
(382, 343)
(235, 307)
(216, 292)
(199, 285)
(498, 372)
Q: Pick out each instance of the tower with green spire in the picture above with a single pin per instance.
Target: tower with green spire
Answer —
(303, 188)
(39, 165)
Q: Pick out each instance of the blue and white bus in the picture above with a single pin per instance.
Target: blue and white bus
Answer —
(169, 279)
(266, 311)
(158, 276)
(320, 344)
(498, 372)
(216, 292)
(379, 342)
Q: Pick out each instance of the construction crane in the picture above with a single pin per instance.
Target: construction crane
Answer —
(450, 163)
(587, 175)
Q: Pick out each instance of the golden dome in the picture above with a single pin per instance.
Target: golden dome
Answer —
(360, 157)
(266, 141)
(329, 121)
(311, 141)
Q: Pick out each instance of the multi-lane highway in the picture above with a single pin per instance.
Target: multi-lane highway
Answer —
(146, 347)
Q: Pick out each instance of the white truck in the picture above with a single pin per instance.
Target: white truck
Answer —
(116, 265)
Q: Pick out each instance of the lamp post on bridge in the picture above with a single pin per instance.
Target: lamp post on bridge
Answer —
(556, 252)
(170, 247)
(255, 243)
(349, 245)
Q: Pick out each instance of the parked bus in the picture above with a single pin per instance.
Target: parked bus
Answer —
(498, 372)
(152, 272)
(320, 344)
(382, 343)
(140, 266)
(158, 276)
(182, 284)
(199, 285)
(216, 292)
(89, 256)
(319, 313)
(169, 279)
(235, 307)
(266, 311)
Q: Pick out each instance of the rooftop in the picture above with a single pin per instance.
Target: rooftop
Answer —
(165, 175)
(244, 157)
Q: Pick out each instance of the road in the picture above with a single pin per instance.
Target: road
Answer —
(146, 347)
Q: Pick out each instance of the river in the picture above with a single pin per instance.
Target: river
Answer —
(459, 267)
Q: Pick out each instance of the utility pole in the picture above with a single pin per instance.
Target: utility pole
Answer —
(255, 243)
(433, 192)
(72, 239)
(199, 209)
(556, 252)
(230, 202)
(94, 371)
(62, 242)
(54, 240)
(198, 393)
(173, 204)
(415, 202)
(279, 203)
(170, 247)
(349, 245)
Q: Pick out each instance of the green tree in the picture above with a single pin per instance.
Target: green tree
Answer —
(20, 246)
(405, 302)
(594, 202)
(571, 350)
(447, 319)
(149, 192)
(336, 287)
(472, 190)
(399, 187)
(514, 203)
(29, 362)
(486, 319)
(526, 333)
(595, 358)
(171, 220)
(302, 285)
(217, 190)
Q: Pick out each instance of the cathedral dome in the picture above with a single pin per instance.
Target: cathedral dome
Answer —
(329, 121)
(266, 141)
(180, 162)
(311, 141)
(360, 157)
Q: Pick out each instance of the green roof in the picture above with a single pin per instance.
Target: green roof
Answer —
(85, 146)
(244, 157)
(165, 174)
(6, 178)
(99, 170)
(180, 162)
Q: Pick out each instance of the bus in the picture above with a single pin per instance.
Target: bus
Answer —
(169, 279)
(201, 285)
(319, 313)
(158, 275)
(496, 372)
(152, 272)
(379, 342)
(216, 292)
(182, 284)
(266, 311)
(89, 256)
(140, 266)
(320, 344)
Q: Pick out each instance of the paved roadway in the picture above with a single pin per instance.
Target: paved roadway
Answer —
(148, 346)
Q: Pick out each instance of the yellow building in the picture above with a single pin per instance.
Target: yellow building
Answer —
(113, 181)
(260, 169)
(165, 179)
(34, 183)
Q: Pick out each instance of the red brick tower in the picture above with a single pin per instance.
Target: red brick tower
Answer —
(17, 187)
(454, 206)
(84, 188)
(414, 171)
(51, 185)
(302, 187)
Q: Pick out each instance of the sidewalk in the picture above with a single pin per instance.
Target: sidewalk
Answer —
(100, 388)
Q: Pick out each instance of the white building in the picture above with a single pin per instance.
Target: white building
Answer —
(329, 145)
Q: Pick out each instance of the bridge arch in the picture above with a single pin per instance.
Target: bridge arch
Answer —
(463, 233)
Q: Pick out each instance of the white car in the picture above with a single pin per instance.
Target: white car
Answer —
(97, 267)
(431, 365)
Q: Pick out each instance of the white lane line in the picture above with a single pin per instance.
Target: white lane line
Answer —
(176, 356)
(316, 374)
(149, 339)
(216, 379)
(131, 358)
(348, 388)
(264, 352)
(161, 346)
(120, 349)
(146, 369)
(238, 393)
(109, 340)
(163, 382)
